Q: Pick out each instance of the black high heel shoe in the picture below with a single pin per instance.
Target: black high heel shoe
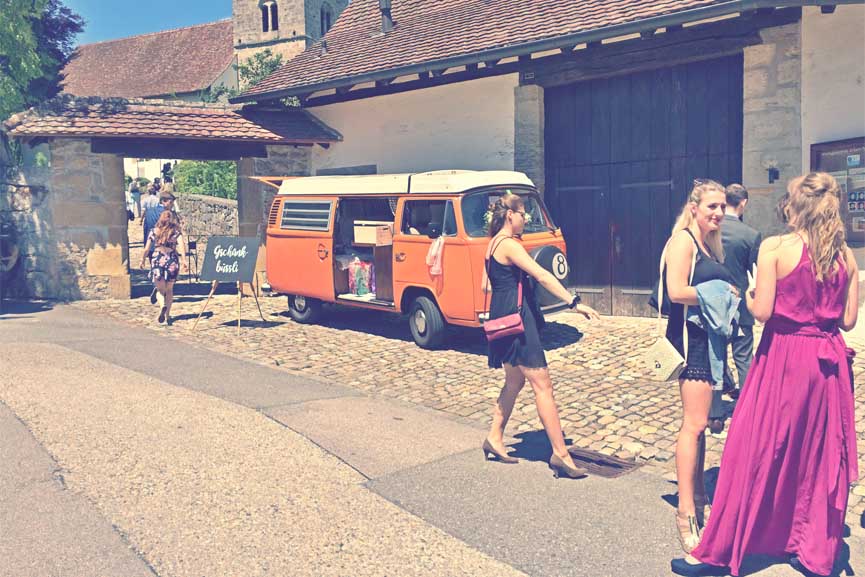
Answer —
(797, 565)
(682, 567)
(491, 454)
(562, 469)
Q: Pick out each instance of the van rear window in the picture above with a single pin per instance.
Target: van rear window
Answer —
(306, 215)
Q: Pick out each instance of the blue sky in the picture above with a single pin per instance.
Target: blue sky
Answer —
(108, 19)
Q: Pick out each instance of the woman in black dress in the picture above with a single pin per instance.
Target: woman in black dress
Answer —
(522, 355)
(697, 230)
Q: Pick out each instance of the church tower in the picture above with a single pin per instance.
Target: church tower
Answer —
(286, 27)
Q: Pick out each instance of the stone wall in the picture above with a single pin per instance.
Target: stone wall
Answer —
(313, 15)
(249, 38)
(71, 222)
(529, 132)
(207, 215)
(254, 198)
(772, 122)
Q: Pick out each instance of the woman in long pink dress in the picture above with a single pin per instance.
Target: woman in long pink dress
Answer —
(790, 455)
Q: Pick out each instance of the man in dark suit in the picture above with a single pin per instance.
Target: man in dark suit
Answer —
(741, 245)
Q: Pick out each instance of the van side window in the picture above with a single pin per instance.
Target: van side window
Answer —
(422, 217)
(306, 215)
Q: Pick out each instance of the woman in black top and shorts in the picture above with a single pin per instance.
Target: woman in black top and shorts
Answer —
(698, 229)
(522, 355)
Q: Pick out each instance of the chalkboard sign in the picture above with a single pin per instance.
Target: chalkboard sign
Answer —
(230, 259)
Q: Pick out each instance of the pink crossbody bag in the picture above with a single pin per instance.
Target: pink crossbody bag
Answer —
(508, 325)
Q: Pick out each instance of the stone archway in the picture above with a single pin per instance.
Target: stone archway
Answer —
(76, 241)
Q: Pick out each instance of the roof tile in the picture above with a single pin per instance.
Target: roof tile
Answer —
(429, 31)
(162, 63)
(93, 117)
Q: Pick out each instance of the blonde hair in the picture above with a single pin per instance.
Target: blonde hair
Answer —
(713, 239)
(499, 209)
(812, 205)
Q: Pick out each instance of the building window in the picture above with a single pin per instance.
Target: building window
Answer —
(274, 16)
(326, 18)
(265, 18)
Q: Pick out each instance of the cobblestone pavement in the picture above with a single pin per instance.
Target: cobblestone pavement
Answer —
(606, 402)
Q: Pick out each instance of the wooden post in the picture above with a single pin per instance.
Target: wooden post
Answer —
(239, 298)
(212, 290)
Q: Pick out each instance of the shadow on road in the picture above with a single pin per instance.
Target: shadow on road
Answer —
(13, 308)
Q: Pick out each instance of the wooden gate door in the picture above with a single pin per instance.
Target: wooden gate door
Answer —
(621, 156)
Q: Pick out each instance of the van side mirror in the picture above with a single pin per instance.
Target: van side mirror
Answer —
(435, 231)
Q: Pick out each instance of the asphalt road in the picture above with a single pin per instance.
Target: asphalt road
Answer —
(125, 452)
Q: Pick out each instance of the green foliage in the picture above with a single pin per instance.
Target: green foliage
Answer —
(36, 41)
(212, 178)
(258, 67)
(250, 72)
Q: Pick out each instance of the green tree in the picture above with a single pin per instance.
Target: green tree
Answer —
(212, 178)
(249, 72)
(36, 41)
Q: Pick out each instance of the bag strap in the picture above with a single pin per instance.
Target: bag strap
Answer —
(661, 289)
(519, 283)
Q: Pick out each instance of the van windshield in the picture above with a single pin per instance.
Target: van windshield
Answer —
(476, 205)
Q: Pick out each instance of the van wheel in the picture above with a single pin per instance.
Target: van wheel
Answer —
(304, 310)
(426, 323)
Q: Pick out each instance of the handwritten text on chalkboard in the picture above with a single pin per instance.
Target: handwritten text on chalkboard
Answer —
(230, 259)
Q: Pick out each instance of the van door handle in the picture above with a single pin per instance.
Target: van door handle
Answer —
(400, 257)
(322, 252)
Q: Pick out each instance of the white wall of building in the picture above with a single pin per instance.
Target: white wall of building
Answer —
(833, 76)
(467, 125)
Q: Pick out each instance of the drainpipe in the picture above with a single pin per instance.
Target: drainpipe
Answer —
(386, 19)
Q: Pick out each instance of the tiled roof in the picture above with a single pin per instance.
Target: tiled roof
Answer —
(163, 63)
(148, 119)
(428, 31)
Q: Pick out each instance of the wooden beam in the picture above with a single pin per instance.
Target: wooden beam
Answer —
(525, 58)
(343, 90)
(438, 73)
(491, 63)
(692, 44)
(423, 75)
(420, 83)
(472, 67)
(177, 148)
(384, 82)
(647, 34)
(567, 50)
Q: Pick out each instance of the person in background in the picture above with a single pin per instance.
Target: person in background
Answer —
(741, 245)
(135, 193)
(790, 456)
(166, 260)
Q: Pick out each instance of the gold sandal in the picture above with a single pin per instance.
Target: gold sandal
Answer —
(689, 532)
(704, 509)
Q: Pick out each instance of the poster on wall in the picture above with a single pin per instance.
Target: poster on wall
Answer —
(843, 160)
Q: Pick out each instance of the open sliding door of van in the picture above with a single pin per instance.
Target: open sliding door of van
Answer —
(300, 251)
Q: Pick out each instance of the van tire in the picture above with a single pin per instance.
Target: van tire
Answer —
(304, 310)
(426, 322)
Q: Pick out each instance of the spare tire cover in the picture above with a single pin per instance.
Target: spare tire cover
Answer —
(553, 260)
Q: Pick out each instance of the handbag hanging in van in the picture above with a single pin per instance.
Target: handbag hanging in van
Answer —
(663, 361)
(507, 325)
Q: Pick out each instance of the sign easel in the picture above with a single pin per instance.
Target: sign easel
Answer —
(230, 259)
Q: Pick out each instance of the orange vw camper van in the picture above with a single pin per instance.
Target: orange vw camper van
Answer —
(365, 241)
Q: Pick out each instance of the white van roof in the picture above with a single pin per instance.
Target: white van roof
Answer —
(436, 182)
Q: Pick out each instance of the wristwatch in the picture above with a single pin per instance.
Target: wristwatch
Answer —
(577, 300)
